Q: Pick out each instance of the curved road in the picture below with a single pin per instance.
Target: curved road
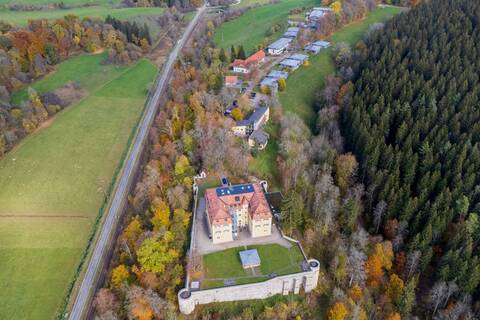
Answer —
(84, 296)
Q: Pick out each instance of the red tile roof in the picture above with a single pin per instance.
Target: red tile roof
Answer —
(218, 206)
(231, 79)
(253, 59)
(240, 63)
(256, 57)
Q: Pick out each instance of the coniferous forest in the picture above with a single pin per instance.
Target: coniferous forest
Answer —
(414, 124)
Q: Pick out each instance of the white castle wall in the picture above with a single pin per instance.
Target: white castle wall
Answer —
(291, 283)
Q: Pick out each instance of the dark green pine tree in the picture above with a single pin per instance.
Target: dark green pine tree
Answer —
(241, 53)
(233, 54)
(222, 56)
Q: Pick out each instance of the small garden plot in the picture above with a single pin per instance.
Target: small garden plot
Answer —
(225, 267)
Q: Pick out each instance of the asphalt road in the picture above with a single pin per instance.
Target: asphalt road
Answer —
(97, 261)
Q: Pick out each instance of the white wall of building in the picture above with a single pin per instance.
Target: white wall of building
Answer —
(222, 233)
(241, 70)
(260, 227)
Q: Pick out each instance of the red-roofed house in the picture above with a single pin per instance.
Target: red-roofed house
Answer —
(245, 66)
(256, 58)
(232, 209)
(240, 66)
(231, 81)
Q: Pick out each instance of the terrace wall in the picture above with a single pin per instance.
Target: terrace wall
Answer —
(286, 284)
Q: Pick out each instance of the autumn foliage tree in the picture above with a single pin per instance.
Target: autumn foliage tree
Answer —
(338, 311)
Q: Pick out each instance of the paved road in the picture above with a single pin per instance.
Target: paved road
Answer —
(95, 266)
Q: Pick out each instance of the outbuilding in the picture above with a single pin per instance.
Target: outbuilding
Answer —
(250, 258)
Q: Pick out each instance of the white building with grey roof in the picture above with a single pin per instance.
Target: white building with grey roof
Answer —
(279, 46)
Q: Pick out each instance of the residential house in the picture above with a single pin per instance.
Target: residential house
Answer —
(316, 46)
(322, 44)
(258, 138)
(299, 57)
(290, 64)
(258, 118)
(232, 209)
(291, 32)
(279, 46)
(312, 48)
(241, 128)
(318, 13)
(240, 66)
(277, 74)
(246, 66)
(272, 83)
(231, 81)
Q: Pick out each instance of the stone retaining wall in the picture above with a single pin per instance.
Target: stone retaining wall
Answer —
(291, 283)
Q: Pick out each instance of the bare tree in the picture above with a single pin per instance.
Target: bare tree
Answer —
(378, 214)
(326, 202)
(413, 260)
(355, 263)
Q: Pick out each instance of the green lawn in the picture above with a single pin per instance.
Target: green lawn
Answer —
(250, 29)
(100, 11)
(53, 184)
(304, 83)
(226, 264)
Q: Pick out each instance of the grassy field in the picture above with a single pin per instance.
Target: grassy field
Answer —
(250, 29)
(99, 11)
(54, 182)
(304, 83)
(245, 3)
(226, 264)
(66, 2)
(87, 70)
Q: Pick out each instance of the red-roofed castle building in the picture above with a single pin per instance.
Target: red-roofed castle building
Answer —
(232, 209)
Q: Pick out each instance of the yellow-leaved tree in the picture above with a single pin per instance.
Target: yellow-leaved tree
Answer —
(155, 253)
(120, 275)
(336, 7)
(338, 311)
(161, 216)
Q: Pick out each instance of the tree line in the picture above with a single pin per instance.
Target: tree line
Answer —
(413, 123)
(131, 30)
